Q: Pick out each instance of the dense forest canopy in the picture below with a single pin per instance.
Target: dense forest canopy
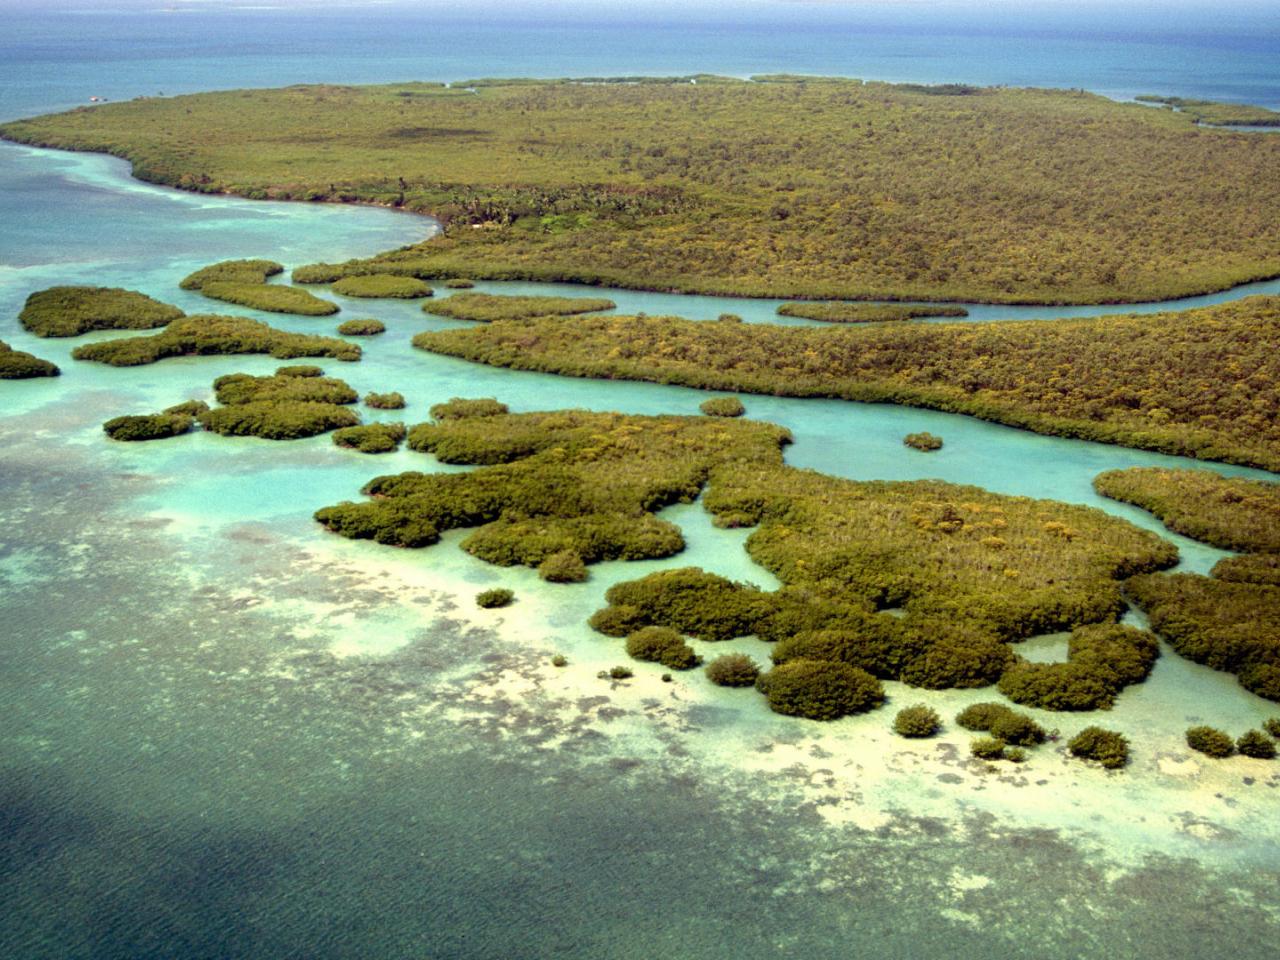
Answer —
(817, 188)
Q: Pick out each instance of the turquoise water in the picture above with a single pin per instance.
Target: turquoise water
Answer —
(228, 735)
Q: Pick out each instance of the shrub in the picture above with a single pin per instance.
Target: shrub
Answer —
(1017, 728)
(923, 441)
(458, 283)
(238, 271)
(620, 673)
(371, 438)
(300, 370)
(722, 407)
(212, 334)
(980, 716)
(559, 660)
(273, 298)
(384, 401)
(819, 690)
(733, 670)
(382, 285)
(1256, 744)
(155, 426)
(495, 597)
(1016, 755)
(361, 328)
(987, 748)
(235, 388)
(20, 365)
(488, 307)
(71, 311)
(662, 645)
(1105, 746)
(1272, 726)
(917, 721)
(459, 408)
(729, 318)
(566, 566)
(1210, 741)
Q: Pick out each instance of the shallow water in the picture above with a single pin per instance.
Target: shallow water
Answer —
(228, 734)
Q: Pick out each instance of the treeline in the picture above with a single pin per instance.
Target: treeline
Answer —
(1202, 383)
(214, 334)
(71, 311)
(1232, 513)
(790, 187)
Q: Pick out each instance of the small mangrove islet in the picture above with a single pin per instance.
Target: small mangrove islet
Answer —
(20, 365)
(849, 312)
(71, 311)
(232, 271)
(202, 334)
(722, 407)
(272, 298)
(371, 437)
(283, 406)
(155, 426)
(925, 442)
(361, 328)
(384, 401)
(382, 285)
(491, 307)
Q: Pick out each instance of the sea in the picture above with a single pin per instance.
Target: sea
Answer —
(227, 734)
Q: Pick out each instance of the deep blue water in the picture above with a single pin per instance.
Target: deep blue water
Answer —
(228, 736)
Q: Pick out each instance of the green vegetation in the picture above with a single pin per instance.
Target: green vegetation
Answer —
(384, 401)
(20, 365)
(722, 407)
(490, 307)
(1256, 744)
(1002, 722)
(459, 408)
(1210, 741)
(371, 438)
(300, 370)
(1107, 747)
(923, 441)
(847, 312)
(917, 722)
(382, 285)
(496, 597)
(567, 566)
(1225, 625)
(1200, 383)
(1228, 512)
(662, 645)
(819, 689)
(1272, 726)
(232, 271)
(156, 426)
(273, 298)
(822, 188)
(968, 570)
(1102, 659)
(458, 283)
(211, 334)
(71, 311)
(733, 670)
(618, 673)
(552, 482)
(190, 408)
(279, 407)
(987, 748)
(1213, 113)
(361, 328)
(559, 660)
